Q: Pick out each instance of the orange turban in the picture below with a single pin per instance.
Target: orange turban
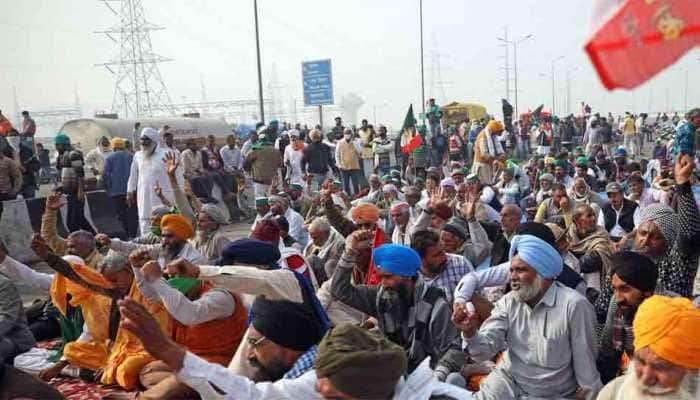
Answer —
(495, 126)
(365, 213)
(669, 327)
(178, 225)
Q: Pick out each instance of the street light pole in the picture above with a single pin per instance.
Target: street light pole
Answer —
(515, 44)
(422, 72)
(554, 96)
(257, 48)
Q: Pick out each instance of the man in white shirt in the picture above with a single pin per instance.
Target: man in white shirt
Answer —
(547, 332)
(280, 206)
(619, 216)
(231, 155)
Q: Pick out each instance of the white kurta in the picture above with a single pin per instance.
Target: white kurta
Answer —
(145, 173)
(294, 157)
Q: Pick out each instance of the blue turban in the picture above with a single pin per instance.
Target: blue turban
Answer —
(397, 260)
(538, 254)
(249, 251)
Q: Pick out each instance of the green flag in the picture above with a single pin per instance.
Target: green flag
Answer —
(410, 120)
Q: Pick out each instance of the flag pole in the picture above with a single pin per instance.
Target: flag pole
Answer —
(422, 72)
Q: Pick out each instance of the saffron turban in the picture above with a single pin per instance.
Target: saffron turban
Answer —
(178, 225)
(365, 213)
(396, 259)
(117, 143)
(669, 327)
(494, 126)
(349, 354)
(538, 254)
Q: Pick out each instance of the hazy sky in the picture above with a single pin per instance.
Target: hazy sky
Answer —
(49, 49)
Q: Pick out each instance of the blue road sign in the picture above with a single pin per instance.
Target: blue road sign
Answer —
(317, 80)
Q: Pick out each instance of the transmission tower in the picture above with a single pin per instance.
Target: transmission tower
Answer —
(139, 90)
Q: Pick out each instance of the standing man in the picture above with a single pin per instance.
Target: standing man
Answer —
(28, 127)
(115, 177)
(384, 155)
(264, 161)
(347, 157)
(366, 137)
(70, 166)
(169, 144)
(434, 115)
(337, 131)
(147, 171)
(136, 133)
(95, 158)
(629, 132)
(487, 149)
(10, 177)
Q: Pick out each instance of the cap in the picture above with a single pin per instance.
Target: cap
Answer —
(613, 187)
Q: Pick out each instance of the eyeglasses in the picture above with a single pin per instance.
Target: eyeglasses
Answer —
(255, 343)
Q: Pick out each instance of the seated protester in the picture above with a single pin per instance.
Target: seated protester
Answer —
(413, 196)
(268, 230)
(583, 172)
(556, 209)
(410, 313)
(439, 269)
(117, 354)
(581, 193)
(15, 336)
(346, 357)
(489, 205)
(546, 329)
(510, 219)
(401, 217)
(176, 230)
(561, 174)
(364, 216)
(249, 268)
(262, 210)
(634, 279)
(644, 196)
(208, 321)
(590, 243)
(499, 275)
(15, 384)
(286, 238)
(154, 235)
(507, 188)
(300, 200)
(324, 249)
(209, 239)
(666, 361)
(545, 191)
(280, 206)
(669, 238)
(619, 216)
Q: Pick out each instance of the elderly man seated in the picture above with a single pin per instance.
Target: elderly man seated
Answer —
(667, 353)
(546, 330)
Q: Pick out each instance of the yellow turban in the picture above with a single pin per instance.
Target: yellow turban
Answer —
(669, 327)
(365, 213)
(117, 143)
(178, 225)
(495, 126)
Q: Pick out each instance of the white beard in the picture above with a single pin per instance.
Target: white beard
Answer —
(527, 292)
(688, 389)
(149, 150)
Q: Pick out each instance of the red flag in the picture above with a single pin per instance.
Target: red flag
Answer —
(372, 277)
(639, 38)
(413, 144)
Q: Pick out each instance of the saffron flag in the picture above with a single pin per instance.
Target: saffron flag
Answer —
(636, 39)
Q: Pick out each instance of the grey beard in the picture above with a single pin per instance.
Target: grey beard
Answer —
(148, 151)
(687, 390)
(527, 292)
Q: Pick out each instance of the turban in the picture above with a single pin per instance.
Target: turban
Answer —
(560, 163)
(636, 270)
(509, 171)
(400, 206)
(547, 177)
(249, 251)
(286, 323)
(456, 229)
(582, 161)
(494, 126)
(349, 355)
(293, 133)
(538, 254)
(61, 138)
(390, 188)
(178, 225)
(214, 213)
(447, 182)
(275, 199)
(266, 230)
(395, 173)
(160, 211)
(541, 231)
(473, 177)
(386, 178)
(117, 143)
(457, 172)
(548, 160)
(262, 201)
(365, 213)
(149, 133)
(396, 259)
(183, 285)
(296, 186)
(669, 327)
(337, 185)
(664, 218)
(443, 211)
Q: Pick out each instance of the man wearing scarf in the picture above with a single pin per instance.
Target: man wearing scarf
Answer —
(590, 243)
(666, 355)
(95, 158)
(487, 149)
(410, 313)
(581, 193)
(249, 268)
(176, 230)
(209, 239)
(147, 172)
(546, 330)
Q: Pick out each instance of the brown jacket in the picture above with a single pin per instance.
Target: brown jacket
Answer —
(264, 163)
